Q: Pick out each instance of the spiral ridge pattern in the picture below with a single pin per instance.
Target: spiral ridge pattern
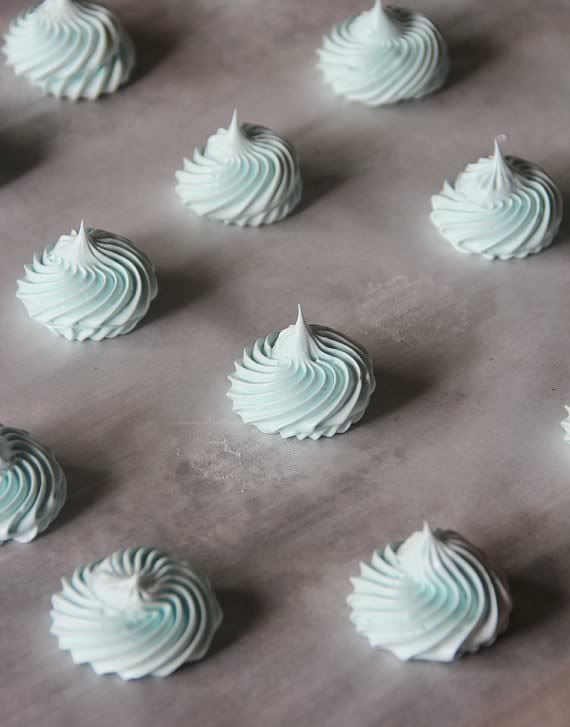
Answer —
(307, 381)
(91, 284)
(433, 597)
(136, 613)
(384, 56)
(32, 486)
(246, 175)
(511, 219)
(70, 48)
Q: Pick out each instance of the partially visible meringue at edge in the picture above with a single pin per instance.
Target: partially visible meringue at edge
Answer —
(431, 597)
(70, 48)
(307, 381)
(245, 175)
(32, 486)
(499, 207)
(383, 56)
(565, 424)
(139, 612)
(91, 284)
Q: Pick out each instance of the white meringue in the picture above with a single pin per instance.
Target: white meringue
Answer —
(137, 613)
(432, 597)
(32, 486)
(306, 381)
(499, 207)
(70, 48)
(91, 284)
(246, 175)
(383, 56)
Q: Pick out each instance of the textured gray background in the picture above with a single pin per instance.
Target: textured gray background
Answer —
(472, 362)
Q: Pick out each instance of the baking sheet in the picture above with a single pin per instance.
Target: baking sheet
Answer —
(471, 360)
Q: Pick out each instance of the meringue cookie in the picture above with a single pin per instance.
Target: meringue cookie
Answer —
(70, 48)
(136, 613)
(432, 597)
(32, 486)
(246, 175)
(565, 424)
(383, 56)
(307, 381)
(90, 284)
(499, 207)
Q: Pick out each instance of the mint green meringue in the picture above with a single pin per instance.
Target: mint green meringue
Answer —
(32, 486)
(136, 613)
(307, 381)
(246, 175)
(383, 56)
(432, 597)
(499, 207)
(91, 284)
(70, 48)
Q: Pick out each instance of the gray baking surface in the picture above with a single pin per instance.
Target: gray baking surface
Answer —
(471, 357)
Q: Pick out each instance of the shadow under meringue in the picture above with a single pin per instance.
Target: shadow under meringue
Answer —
(392, 392)
(85, 486)
(468, 55)
(24, 149)
(318, 182)
(241, 610)
(154, 41)
(538, 595)
(176, 290)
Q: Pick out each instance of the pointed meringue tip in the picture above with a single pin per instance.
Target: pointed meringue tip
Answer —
(426, 529)
(234, 123)
(300, 316)
(499, 139)
(567, 409)
(82, 228)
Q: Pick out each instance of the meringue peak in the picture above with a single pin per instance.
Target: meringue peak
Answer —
(382, 22)
(235, 136)
(77, 248)
(296, 342)
(118, 591)
(501, 178)
(57, 6)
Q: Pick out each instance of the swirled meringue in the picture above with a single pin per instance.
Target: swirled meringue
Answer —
(432, 597)
(306, 381)
(499, 207)
(383, 56)
(565, 424)
(70, 48)
(32, 486)
(90, 284)
(246, 175)
(136, 613)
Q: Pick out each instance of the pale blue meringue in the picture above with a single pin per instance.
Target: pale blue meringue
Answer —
(91, 284)
(307, 381)
(499, 207)
(383, 56)
(70, 48)
(32, 486)
(246, 175)
(136, 613)
(432, 597)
